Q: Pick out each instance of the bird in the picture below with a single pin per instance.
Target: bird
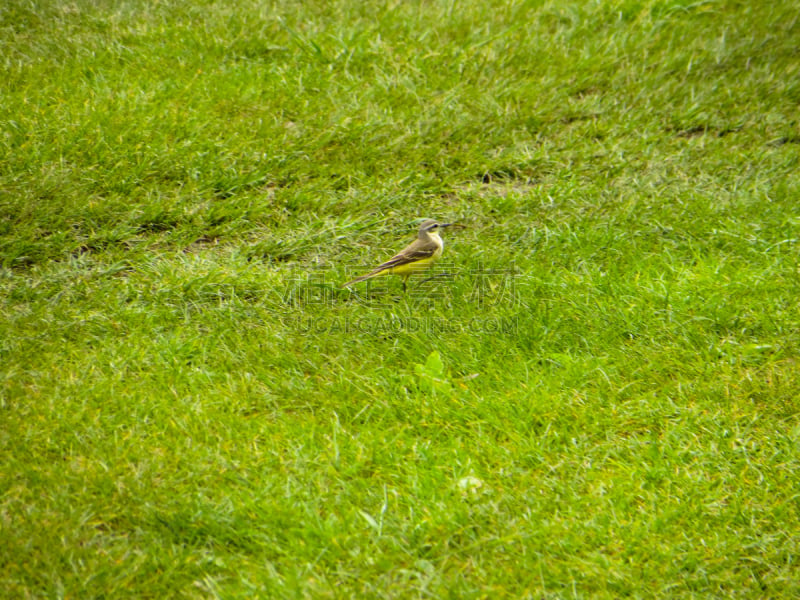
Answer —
(417, 256)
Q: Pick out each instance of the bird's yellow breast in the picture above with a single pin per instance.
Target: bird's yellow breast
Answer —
(414, 267)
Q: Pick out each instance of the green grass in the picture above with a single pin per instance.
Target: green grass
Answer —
(191, 406)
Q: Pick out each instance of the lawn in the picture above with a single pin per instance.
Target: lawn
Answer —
(594, 394)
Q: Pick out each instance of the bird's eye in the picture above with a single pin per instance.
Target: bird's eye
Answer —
(434, 226)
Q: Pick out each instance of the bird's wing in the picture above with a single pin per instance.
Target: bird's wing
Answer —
(414, 252)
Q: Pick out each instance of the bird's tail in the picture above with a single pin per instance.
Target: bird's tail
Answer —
(364, 277)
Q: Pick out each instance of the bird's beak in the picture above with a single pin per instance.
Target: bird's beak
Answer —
(446, 224)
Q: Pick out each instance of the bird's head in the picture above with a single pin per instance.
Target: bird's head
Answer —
(432, 226)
